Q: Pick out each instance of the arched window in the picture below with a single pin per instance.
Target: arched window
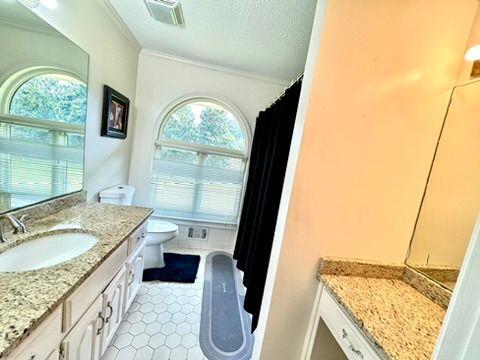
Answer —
(42, 128)
(53, 96)
(199, 164)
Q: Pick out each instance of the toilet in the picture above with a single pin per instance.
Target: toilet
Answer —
(158, 231)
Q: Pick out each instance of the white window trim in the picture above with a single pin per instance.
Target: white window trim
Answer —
(238, 115)
(201, 148)
(10, 86)
(42, 124)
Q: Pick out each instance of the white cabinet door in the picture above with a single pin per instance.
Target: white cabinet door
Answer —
(134, 274)
(113, 305)
(83, 341)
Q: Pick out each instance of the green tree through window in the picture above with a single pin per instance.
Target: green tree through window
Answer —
(205, 124)
(199, 164)
(51, 97)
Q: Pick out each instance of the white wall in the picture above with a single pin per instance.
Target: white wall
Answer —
(162, 81)
(30, 47)
(218, 238)
(113, 61)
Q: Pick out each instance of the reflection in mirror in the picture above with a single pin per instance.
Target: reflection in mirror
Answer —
(452, 198)
(43, 106)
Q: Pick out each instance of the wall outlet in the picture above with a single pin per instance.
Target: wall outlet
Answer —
(197, 233)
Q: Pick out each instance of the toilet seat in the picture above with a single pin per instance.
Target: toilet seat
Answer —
(158, 232)
(158, 226)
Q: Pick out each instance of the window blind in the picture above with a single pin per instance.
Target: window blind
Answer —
(35, 169)
(196, 190)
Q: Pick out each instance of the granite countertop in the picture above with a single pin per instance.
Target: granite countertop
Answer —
(399, 320)
(27, 298)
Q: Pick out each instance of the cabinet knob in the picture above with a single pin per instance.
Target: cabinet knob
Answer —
(102, 323)
(352, 348)
(109, 307)
(132, 278)
(33, 357)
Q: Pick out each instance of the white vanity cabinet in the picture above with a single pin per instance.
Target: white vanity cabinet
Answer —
(83, 341)
(113, 307)
(84, 325)
(352, 343)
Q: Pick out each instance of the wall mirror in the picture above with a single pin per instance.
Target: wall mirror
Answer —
(452, 198)
(43, 107)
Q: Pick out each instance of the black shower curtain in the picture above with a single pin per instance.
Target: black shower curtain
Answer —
(268, 162)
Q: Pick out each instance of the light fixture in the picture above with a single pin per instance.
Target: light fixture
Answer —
(49, 4)
(473, 54)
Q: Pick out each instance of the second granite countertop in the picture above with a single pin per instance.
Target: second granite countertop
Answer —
(27, 298)
(401, 322)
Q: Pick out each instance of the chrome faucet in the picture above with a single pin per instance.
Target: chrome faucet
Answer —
(17, 224)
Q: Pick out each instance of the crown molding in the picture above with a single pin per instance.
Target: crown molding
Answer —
(224, 69)
(115, 17)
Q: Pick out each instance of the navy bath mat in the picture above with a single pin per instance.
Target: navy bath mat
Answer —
(178, 268)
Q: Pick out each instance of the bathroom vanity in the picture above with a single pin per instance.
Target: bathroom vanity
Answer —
(67, 282)
(348, 336)
(71, 310)
(374, 311)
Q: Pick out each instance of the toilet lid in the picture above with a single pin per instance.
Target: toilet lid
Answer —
(161, 226)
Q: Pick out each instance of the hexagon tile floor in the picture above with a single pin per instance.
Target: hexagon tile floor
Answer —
(163, 322)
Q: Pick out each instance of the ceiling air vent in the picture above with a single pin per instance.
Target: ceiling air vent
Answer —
(166, 11)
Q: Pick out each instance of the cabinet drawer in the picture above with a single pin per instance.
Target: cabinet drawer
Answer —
(137, 237)
(134, 274)
(354, 344)
(77, 303)
(43, 341)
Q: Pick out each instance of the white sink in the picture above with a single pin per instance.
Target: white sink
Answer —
(46, 251)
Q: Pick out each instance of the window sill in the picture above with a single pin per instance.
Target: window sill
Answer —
(196, 222)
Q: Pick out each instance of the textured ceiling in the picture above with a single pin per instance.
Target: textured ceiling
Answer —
(266, 37)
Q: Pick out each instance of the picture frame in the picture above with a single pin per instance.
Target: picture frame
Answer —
(114, 114)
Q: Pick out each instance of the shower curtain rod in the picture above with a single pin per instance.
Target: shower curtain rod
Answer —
(300, 77)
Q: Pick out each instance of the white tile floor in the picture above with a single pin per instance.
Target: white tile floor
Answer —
(163, 322)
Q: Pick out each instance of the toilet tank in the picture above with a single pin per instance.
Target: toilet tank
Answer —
(118, 195)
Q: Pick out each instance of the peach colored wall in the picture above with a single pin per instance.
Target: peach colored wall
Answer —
(383, 79)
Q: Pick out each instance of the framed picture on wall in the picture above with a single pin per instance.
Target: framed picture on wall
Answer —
(115, 113)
